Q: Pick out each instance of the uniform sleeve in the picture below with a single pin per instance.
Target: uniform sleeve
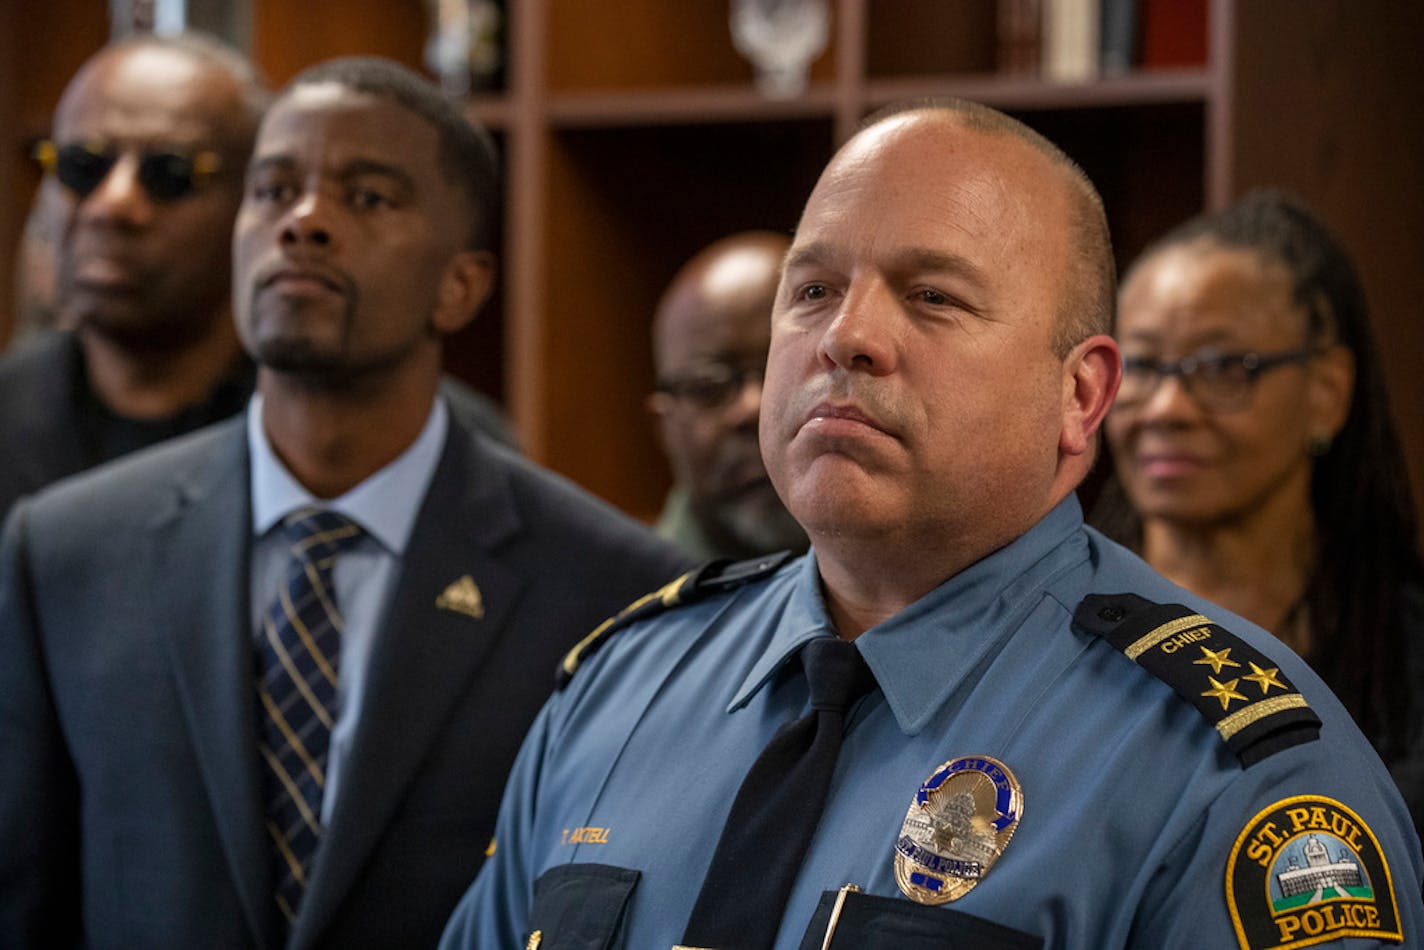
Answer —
(1312, 847)
(39, 837)
(494, 912)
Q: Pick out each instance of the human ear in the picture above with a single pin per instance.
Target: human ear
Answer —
(1091, 374)
(1332, 385)
(465, 285)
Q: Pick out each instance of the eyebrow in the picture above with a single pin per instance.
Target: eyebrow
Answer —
(352, 169)
(918, 259)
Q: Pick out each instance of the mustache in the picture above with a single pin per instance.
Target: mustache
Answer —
(873, 403)
(332, 277)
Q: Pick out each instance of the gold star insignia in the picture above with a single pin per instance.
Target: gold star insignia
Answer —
(1225, 692)
(1215, 659)
(1264, 678)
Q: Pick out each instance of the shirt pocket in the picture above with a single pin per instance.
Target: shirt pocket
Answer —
(579, 906)
(868, 922)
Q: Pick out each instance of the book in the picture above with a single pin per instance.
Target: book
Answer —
(1118, 50)
(1071, 40)
(1174, 33)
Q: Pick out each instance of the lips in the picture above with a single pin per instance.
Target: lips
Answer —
(302, 280)
(104, 272)
(1167, 465)
(832, 418)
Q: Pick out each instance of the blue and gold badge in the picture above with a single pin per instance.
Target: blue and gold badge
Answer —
(959, 823)
(1305, 871)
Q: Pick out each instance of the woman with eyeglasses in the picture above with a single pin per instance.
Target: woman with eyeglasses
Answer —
(1253, 442)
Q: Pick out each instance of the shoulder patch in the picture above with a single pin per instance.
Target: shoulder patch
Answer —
(711, 578)
(1240, 692)
(1305, 871)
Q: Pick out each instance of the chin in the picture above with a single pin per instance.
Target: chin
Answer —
(299, 357)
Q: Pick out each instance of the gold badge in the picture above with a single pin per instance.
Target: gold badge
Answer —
(1308, 870)
(958, 825)
(463, 597)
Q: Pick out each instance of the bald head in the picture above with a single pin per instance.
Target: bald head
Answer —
(241, 94)
(1090, 289)
(153, 135)
(729, 286)
(710, 337)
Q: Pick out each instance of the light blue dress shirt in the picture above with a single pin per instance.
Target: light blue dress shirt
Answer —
(385, 506)
(1131, 800)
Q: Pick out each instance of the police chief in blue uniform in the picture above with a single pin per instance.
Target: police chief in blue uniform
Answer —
(1054, 747)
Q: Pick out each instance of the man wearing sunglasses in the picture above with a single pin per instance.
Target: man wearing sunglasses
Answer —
(147, 150)
(261, 686)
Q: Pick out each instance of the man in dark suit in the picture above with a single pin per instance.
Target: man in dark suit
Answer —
(218, 731)
(145, 177)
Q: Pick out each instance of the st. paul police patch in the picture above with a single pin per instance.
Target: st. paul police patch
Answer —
(1307, 870)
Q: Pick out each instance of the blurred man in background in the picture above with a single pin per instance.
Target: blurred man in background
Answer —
(149, 144)
(710, 338)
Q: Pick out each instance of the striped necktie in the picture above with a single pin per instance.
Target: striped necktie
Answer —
(297, 652)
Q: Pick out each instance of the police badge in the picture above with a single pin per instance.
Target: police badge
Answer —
(959, 823)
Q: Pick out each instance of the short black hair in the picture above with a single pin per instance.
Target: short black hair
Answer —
(466, 151)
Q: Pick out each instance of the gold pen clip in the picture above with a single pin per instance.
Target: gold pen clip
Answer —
(536, 938)
(836, 914)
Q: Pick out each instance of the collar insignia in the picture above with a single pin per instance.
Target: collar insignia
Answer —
(463, 597)
(958, 825)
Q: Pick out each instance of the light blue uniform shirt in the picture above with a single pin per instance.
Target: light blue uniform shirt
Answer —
(385, 506)
(1131, 800)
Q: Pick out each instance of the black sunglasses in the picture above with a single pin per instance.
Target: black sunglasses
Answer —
(165, 176)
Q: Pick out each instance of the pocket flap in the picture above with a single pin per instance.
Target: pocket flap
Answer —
(869, 922)
(579, 906)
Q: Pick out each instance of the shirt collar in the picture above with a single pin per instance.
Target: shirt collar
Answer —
(920, 655)
(384, 504)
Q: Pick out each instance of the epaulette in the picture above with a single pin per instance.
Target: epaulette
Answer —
(711, 578)
(1240, 691)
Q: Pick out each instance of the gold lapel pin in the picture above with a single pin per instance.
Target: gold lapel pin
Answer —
(463, 597)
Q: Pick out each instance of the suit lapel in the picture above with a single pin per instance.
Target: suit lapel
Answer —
(200, 554)
(434, 636)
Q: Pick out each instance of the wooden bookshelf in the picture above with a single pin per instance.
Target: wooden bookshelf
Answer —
(633, 134)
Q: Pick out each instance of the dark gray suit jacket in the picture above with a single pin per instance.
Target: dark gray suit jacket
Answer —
(51, 424)
(130, 811)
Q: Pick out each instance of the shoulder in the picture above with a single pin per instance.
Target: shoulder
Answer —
(134, 488)
(40, 354)
(703, 583)
(1240, 691)
(553, 508)
(1255, 695)
(36, 376)
(477, 411)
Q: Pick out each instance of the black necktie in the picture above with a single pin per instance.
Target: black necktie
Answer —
(296, 688)
(777, 808)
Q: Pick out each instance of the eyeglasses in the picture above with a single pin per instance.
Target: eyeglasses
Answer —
(712, 387)
(165, 175)
(1217, 381)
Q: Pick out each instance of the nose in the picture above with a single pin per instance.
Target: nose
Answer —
(861, 336)
(119, 198)
(1169, 402)
(306, 222)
